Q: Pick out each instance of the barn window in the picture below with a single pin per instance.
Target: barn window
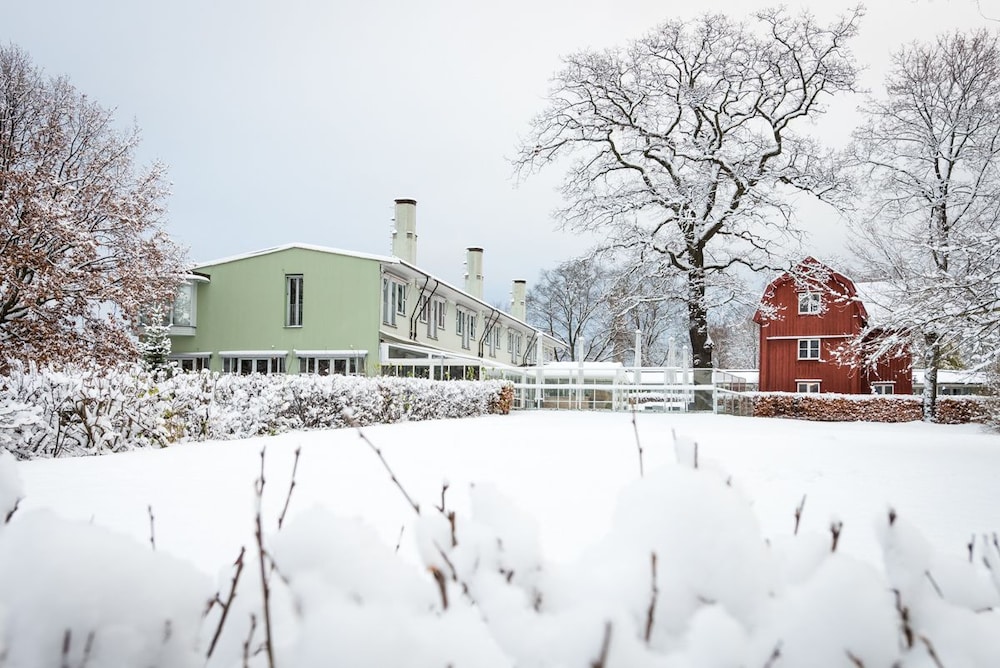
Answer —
(808, 349)
(809, 303)
(883, 388)
(807, 386)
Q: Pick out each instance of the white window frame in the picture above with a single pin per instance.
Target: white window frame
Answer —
(514, 338)
(808, 386)
(331, 364)
(294, 302)
(393, 299)
(810, 303)
(812, 352)
(191, 361)
(245, 362)
(191, 290)
(881, 387)
(440, 309)
(424, 308)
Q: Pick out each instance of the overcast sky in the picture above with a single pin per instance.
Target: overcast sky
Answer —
(302, 120)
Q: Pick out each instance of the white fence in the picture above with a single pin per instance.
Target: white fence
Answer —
(597, 386)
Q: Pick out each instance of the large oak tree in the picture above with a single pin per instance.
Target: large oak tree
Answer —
(681, 147)
(82, 244)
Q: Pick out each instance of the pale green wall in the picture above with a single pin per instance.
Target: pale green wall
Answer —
(243, 307)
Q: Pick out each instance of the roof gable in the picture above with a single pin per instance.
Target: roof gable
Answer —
(300, 246)
(810, 274)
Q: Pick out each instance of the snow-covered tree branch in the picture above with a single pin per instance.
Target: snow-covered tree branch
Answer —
(930, 151)
(82, 245)
(681, 146)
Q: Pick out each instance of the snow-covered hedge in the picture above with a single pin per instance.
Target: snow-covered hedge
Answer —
(682, 578)
(79, 411)
(854, 407)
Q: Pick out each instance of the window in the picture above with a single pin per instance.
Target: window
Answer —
(393, 300)
(465, 326)
(440, 313)
(809, 303)
(341, 365)
(514, 345)
(191, 362)
(247, 363)
(293, 300)
(807, 386)
(493, 339)
(424, 309)
(883, 388)
(182, 312)
(808, 349)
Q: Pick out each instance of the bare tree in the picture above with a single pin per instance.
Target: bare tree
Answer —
(567, 302)
(82, 248)
(930, 148)
(681, 146)
(590, 301)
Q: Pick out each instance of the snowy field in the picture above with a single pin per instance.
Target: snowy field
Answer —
(565, 469)
(560, 554)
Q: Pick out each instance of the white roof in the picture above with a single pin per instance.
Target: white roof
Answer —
(953, 377)
(385, 259)
(312, 247)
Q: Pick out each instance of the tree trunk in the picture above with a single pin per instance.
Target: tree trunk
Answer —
(932, 359)
(701, 348)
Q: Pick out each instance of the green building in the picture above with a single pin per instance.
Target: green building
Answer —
(300, 308)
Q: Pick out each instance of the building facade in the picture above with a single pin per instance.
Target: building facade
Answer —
(300, 308)
(806, 318)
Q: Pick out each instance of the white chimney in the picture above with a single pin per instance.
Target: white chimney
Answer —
(518, 307)
(474, 272)
(404, 236)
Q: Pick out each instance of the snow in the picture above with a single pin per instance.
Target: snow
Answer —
(552, 547)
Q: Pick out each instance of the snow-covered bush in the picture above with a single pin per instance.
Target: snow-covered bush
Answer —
(77, 410)
(859, 407)
(683, 577)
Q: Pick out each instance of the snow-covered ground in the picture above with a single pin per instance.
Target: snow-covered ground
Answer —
(559, 556)
(564, 469)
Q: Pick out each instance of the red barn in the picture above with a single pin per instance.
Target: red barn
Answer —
(804, 317)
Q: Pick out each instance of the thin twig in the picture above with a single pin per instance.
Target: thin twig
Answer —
(971, 546)
(931, 652)
(228, 602)
(934, 583)
(444, 490)
(377, 451)
(399, 540)
(246, 643)
(904, 619)
(261, 553)
(835, 528)
(152, 535)
(775, 655)
(855, 659)
(602, 658)
(798, 514)
(6, 519)
(696, 454)
(638, 441)
(442, 585)
(67, 640)
(291, 486)
(652, 600)
(87, 648)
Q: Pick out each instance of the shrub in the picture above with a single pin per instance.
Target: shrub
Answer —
(850, 407)
(78, 410)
